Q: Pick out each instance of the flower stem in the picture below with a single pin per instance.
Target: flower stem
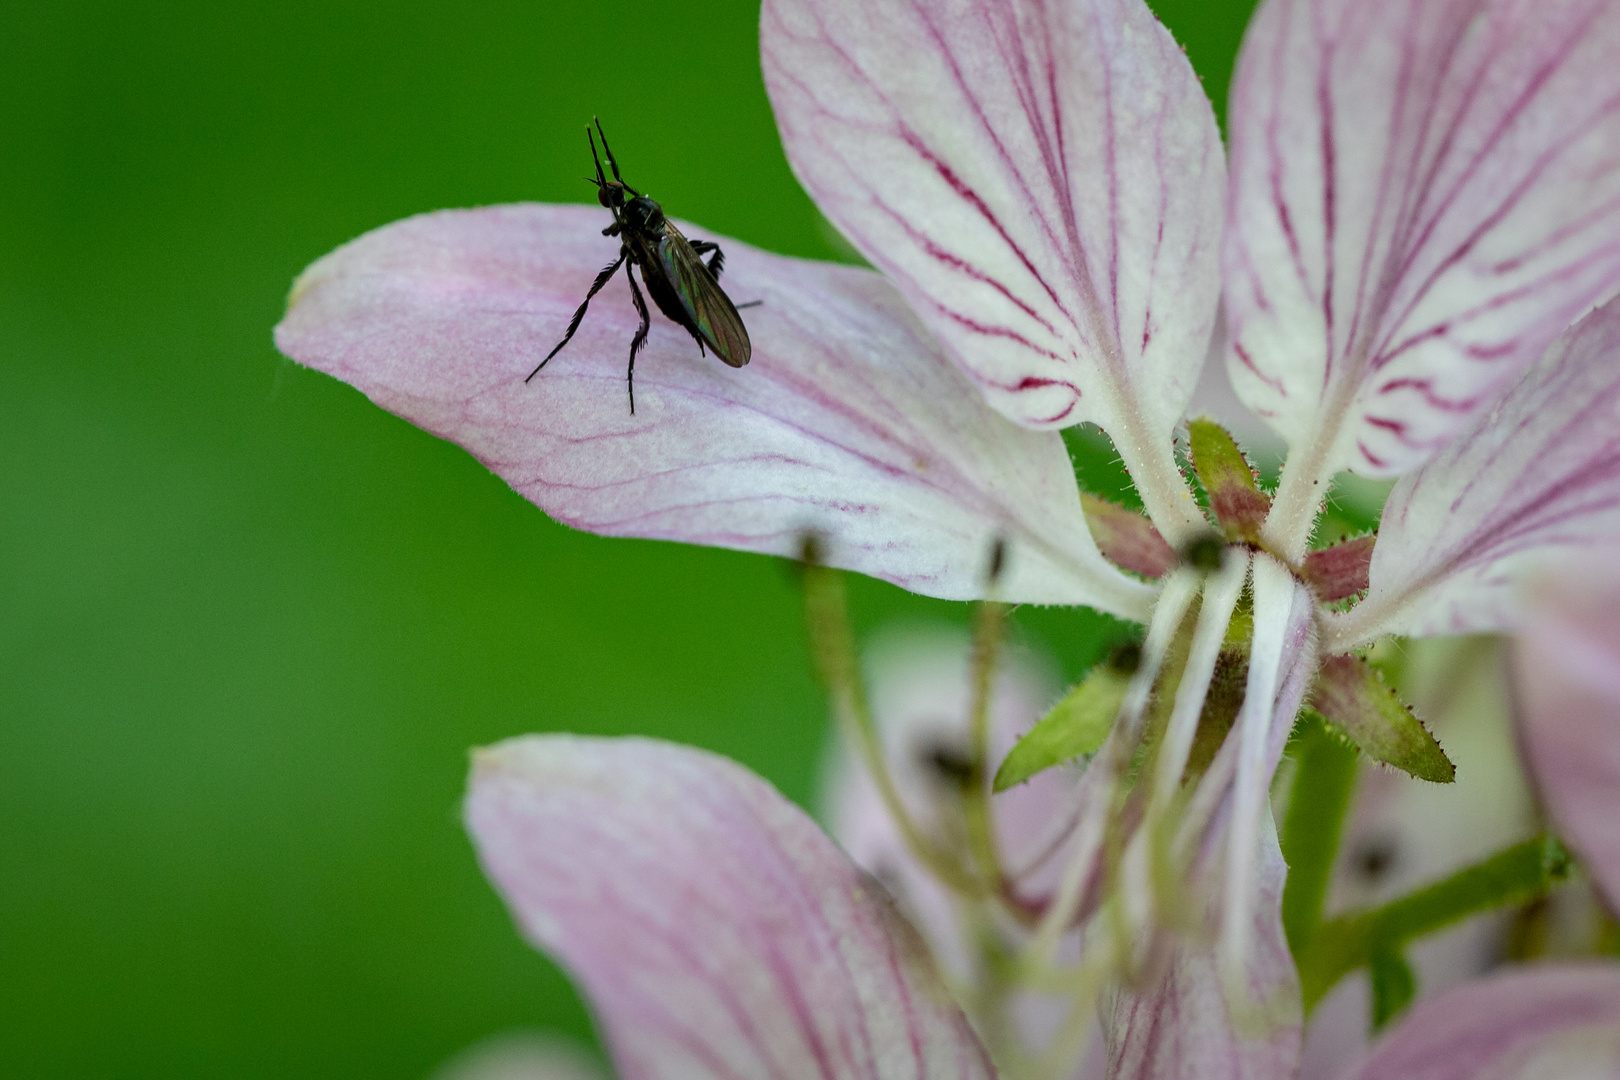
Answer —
(1512, 876)
(1310, 839)
(832, 643)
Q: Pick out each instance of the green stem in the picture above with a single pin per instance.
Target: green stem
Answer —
(1513, 876)
(1310, 838)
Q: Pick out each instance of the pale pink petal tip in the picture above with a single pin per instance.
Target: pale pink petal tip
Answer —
(1566, 666)
(1043, 181)
(1561, 1021)
(715, 929)
(1424, 194)
(848, 422)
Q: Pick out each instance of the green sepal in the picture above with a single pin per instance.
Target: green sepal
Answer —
(1076, 725)
(1352, 696)
(1234, 496)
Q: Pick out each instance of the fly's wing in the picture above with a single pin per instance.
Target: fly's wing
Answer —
(713, 314)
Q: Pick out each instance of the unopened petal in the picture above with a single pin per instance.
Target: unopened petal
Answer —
(1043, 180)
(1534, 483)
(849, 422)
(1561, 1021)
(715, 929)
(1424, 194)
(1566, 665)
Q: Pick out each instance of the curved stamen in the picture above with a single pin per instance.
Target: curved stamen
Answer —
(1103, 776)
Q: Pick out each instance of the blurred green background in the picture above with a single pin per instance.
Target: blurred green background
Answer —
(249, 623)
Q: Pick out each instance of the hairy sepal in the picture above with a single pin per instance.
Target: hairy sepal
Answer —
(1350, 694)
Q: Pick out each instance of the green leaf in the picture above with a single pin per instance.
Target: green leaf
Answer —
(1393, 986)
(1351, 695)
(1076, 725)
(1234, 497)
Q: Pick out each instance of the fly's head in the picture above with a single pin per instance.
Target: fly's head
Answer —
(611, 194)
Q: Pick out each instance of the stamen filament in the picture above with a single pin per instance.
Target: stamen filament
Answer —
(977, 809)
(1102, 777)
(832, 643)
(1274, 598)
(1147, 850)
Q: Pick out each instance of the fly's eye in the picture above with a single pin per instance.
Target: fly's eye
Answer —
(602, 197)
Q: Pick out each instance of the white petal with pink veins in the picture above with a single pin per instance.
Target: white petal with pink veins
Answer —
(717, 932)
(849, 421)
(1424, 194)
(1535, 482)
(1041, 178)
(1567, 677)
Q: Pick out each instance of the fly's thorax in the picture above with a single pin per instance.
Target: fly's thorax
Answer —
(643, 214)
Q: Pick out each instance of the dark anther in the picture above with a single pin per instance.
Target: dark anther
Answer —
(1205, 553)
(1125, 658)
(811, 550)
(998, 559)
(1375, 857)
(950, 762)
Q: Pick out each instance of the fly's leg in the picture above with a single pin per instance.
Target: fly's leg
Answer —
(641, 335)
(715, 264)
(573, 324)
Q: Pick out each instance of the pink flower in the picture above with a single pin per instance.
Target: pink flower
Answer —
(1424, 194)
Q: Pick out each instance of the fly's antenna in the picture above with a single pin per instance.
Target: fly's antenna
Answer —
(601, 180)
(612, 163)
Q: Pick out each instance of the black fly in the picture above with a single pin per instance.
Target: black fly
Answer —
(685, 288)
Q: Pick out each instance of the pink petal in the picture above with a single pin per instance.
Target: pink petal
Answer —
(1043, 181)
(1536, 481)
(1561, 1021)
(716, 930)
(1424, 194)
(1184, 1027)
(848, 421)
(1567, 674)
